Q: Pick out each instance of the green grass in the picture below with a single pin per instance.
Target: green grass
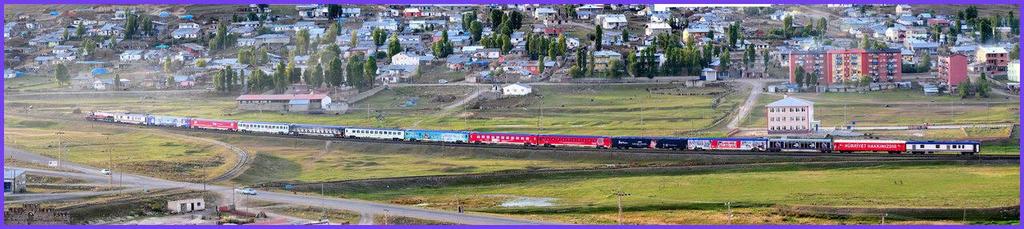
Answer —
(137, 151)
(881, 186)
(31, 82)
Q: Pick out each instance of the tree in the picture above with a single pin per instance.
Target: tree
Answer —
(787, 26)
(61, 75)
(169, 82)
(925, 65)
(168, 65)
(590, 65)
(822, 26)
(334, 74)
(496, 18)
(598, 34)
(442, 48)
(625, 35)
(540, 65)
(370, 70)
(80, 31)
(201, 63)
(302, 41)
(88, 45)
(982, 86)
(631, 64)
(724, 61)
(798, 76)
(394, 47)
(964, 88)
(331, 34)
(378, 36)
(614, 69)
(476, 29)
(353, 39)
(354, 71)
(865, 81)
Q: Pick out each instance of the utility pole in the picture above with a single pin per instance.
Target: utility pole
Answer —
(883, 217)
(619, 194)
(60, 144)
(728, 205)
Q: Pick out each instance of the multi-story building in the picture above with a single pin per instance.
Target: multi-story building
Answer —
(1013, 71)
(992, 60)
(790, 115)
(848, 65)
(952, 68)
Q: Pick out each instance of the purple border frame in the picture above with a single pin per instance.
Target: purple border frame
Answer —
(1020, 7)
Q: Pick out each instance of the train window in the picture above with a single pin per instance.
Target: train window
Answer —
(937, 146)
(920, 146)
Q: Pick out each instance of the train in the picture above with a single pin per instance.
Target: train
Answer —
(783, 144)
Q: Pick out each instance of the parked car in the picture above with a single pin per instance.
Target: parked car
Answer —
(246, 191)
(105, 171)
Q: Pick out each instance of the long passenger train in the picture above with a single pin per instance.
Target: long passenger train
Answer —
(824, 145)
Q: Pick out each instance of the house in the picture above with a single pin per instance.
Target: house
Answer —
(412, 12)
(284, 102)
(992, 60)
(245, 42)
(131, 55)
(603, 58)
(14, 181)
(709, 74)
(543, 13)
(405, 58)
(611, 21)
(656, 28)
(791, 115)
(155, 54)
(189, 25)
(457, 62)
(312, 11)
(516, 89)
(272, 39)
(351, 12)
(952, 68)
(904, 9)
(185, 33)
(186, 205)
(696, 33)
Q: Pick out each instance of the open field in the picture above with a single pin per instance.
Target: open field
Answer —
(140, 151)
(312, 213)
(897, 108)
(306, 161)
(605, 110)
(948, 186)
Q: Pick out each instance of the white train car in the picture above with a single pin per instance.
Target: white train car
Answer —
(373, 133)
(138, 119)
(962, 147)
(263, 127)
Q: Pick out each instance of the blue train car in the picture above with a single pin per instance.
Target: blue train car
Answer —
(670, 143)
(627, 142)
(437, 136)
(171, 121)
(318, 130)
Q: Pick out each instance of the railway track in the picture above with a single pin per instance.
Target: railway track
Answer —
(629, 151)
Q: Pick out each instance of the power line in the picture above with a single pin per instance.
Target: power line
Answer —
(619, 194)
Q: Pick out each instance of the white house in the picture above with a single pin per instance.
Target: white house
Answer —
(544, 13)
(611, 21)
(516, 89)
(405, 59)
(186, 205)
(655, 28)
(790, 115)
(185, 33)
(131, 55)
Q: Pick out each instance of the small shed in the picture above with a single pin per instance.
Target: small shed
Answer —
(516, 89)
(186, 205)
(14, 181)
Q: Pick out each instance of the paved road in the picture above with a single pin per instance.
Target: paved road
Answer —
(363, 207)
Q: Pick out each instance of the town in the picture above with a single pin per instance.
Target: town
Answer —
(921, 75)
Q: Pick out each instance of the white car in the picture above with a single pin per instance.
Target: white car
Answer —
(246, 191)
(105, 171)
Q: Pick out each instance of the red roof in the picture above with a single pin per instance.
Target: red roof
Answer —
(282, 97)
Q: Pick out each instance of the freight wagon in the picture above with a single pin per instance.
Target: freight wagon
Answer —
(171, 121)
(317, 130)
(503, 138)
(633, 142)
(670, 143)
(962, 147)
(263, 127)
(374, 133)
(751, 144)
(800, 144)
(890, 146)
(437, 136)
(211, 124)
(574, 141)
(137, 119)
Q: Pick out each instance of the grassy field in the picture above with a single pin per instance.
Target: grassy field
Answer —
(306, 161)
(880, 186)
(137, 151)
(604, 110)
(312, 213)
(30, 82)
(891, 108)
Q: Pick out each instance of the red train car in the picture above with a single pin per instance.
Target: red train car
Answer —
(890, 146)
(214, 124)
(574, 141)
(503, 138)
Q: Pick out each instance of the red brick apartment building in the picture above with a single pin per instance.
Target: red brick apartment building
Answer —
(848, 65)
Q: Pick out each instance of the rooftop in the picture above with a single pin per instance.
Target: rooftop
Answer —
(790, 101)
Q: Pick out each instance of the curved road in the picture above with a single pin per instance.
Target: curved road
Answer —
(363, 207)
